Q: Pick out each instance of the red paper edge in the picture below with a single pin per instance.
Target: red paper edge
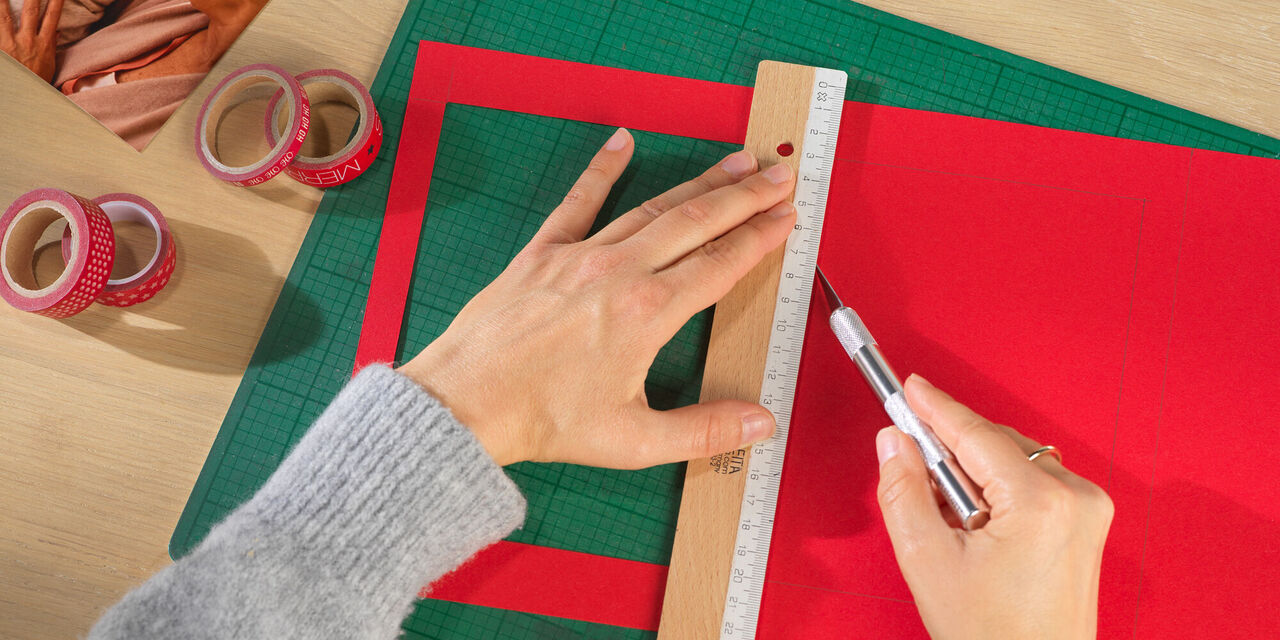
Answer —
(453, 74)
(556, 582)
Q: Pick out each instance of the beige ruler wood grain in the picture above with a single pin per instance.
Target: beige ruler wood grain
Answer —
(709, 508)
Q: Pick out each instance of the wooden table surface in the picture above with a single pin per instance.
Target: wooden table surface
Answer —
(106, 418)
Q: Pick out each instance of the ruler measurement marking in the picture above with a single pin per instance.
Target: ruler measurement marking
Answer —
(786, 341)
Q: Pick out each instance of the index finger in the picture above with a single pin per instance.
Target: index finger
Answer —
(6, 25)
(731, 169)
(30, 16)
(698, 221)
(52, 14)
(987, 454)
(704, 276)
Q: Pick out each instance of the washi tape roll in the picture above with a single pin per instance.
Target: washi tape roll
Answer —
(343, 165)
(89, 257)
(282, 151)
(151, 278)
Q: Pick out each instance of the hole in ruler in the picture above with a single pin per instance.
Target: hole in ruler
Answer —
(785, 149)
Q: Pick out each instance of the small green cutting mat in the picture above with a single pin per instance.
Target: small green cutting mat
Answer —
(498, 174)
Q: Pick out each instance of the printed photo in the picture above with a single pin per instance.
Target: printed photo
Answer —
(128, 63)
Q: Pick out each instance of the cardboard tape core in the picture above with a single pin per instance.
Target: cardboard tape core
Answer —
(88, 245)
(226, 99)
(361, 147)
(229, 93)
(20, 247)
(125, 211)
(327, 90)
(145, 282)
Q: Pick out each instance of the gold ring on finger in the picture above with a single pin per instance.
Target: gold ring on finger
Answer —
(1045, 450)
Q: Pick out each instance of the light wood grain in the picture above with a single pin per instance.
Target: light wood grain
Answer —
(709, 507)
(106, 418)
(1219, 58)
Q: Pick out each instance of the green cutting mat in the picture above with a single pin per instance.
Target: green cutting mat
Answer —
(497, 174)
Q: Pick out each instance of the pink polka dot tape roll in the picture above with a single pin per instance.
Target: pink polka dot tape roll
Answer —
(152, 277)
(343, 165)
(90, 256)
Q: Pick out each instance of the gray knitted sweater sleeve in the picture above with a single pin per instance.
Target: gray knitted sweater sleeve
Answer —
(384, 494)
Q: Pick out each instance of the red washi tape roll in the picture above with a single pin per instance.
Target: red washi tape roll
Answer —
(89, 258)
(283, 150)
(151, 278)
(343, 165)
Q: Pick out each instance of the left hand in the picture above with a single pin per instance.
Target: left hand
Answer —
(34, 43)
(548, 362)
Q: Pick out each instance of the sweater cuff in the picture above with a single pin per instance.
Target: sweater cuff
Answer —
(389, 485)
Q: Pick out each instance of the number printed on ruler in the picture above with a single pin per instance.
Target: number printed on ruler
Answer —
(786, 340)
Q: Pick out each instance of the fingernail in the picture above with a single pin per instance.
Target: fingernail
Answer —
(781, 210)
(757, 426)
(738, 164)
(778, 173)
(921, 379)
(617, 141)
(886, 445)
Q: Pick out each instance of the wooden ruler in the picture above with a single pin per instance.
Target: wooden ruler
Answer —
(726, 512)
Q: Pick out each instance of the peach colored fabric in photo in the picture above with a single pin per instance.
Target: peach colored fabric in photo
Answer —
(133, 110)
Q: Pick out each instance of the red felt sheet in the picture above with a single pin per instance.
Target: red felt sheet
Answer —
(1112, 297)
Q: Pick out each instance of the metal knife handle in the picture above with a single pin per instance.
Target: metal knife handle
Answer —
(955, 485)
(861, 347)
(960, 492)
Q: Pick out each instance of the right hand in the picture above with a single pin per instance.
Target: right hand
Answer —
(34, 43)
(1032, 570)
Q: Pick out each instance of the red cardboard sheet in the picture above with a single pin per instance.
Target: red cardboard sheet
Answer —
(510, 575)
(447, 74)
(1114, 298)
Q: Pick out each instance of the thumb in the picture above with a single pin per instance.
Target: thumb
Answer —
(911, 514)
(702, 430)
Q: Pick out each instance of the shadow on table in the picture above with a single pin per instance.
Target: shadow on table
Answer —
(200, 321)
